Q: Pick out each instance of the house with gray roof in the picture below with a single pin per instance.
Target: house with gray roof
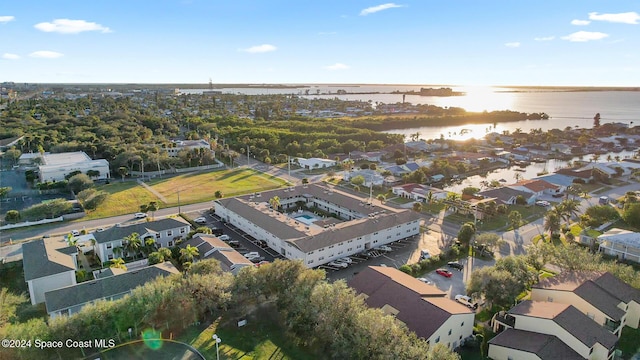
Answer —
(507, 195)
(165, 232)
(607, 300)
(71, 299)
(231, 260)
(564, 321)
(623, 244)
(48, 264)
(298, 228)
(520, 344)
(423, 308)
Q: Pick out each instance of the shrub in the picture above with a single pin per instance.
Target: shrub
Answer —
(406, 269)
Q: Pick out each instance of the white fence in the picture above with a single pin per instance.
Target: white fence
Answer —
(31, 223)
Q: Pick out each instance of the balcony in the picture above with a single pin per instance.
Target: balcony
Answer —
(611, 325)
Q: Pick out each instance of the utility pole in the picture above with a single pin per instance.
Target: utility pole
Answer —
(179, 202)
(289, 164)
(247, 155)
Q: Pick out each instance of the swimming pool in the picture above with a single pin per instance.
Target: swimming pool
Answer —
(306, 219)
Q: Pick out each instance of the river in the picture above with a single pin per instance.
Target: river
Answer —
(566, 108)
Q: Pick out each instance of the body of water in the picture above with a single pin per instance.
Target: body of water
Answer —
(509, 175)
(566, 108)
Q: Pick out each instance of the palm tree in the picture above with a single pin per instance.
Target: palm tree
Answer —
(133, 243)
(568, 209)
(552, 222)
(275, 202)
(118, 263)
(153, 207)
(165, 252)
(149, 244)
(381, 198)
(117, 250)
(187, 254)
(417, 206)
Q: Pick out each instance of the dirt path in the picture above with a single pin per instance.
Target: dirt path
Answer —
(153, 191)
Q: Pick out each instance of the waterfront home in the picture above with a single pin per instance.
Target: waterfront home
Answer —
(419, 192)
(508, 196)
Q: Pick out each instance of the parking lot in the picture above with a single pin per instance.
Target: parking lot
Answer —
(402, 252)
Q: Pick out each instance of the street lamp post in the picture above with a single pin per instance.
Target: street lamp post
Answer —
(217, 339)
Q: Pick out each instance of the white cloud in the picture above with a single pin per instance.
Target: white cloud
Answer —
(580, 22)
(514, 44)
(67, 26)
(46, 54)
(9, 56)
(544, 38)
(337, 66)
(375, 9)
(6, 19)
(260, 49)
(631, 17)
(582, 36)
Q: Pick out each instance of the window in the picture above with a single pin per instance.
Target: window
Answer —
(169, 233)
(109, 245)
(437, 340)
(462, 324)
(170, 243)
(359, 246)
(321, 250)
(349, 249)
(311, 252)
(183, 230)
(110, 257)
(321, 258)
(158, 236)
(375, 233)
(389, 237)
(310, 262)
(449, 331)
(590, 351)
(331, 246)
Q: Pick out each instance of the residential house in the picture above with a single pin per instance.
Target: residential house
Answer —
(604, 169)
(507, 195)
(399, 170)
(514, 344)
(563, 181)
(372, 156)
(48, 264)
(371, 177)
(564, 321)
(314, 163)
(180, 145)
(623, 244)
(165, 232)
(604, 298)
(206, 244)
(538, 187)
(231, 260)
(423, 308)
(71, 299)
(419, 192)
(585, 175)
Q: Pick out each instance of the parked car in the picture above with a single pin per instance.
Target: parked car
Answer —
(542, 203)
(234, 243)
(425, 280)
(424, 254)
(338, 264)
(251, 255)
(216, 231)
(75, 232)
(262, 243)
(383, 248)
(200, 220)
(603, 200)
(444, 272)
(257, 259)
(263, 262)
(224, 237)
(100, 229)
(466, 301)
(455, 265)
(140, 215)
(346, 260)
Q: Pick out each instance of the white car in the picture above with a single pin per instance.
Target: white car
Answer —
(338, 264)
(224, 237)
(75, 232)
(100, 229)
(140, 215)
(250, 255)
(424, 254)
(425, 280)
(463, 297)
(542, 203)
(384, 248)
(346, 260)
(200, 220)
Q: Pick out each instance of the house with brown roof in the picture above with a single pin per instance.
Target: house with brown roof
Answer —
(48, 264)
(538, 187)
(521, 344)
(604, 298)
(206, 244)
(508, 196)
(563, 321)
(423, 308)
(231, 260)
(297, 228)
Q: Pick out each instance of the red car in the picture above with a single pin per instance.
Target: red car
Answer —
(444, 272)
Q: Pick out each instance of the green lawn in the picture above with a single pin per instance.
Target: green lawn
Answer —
(259, 339)
(198, 187)
(126, 197)
(629, 342)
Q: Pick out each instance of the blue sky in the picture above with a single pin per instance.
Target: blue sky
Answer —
(457, 42)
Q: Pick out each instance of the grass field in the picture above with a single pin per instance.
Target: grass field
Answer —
(198, 187)
(124, 198)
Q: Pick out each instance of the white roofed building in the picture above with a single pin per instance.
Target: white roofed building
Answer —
(54, 167)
